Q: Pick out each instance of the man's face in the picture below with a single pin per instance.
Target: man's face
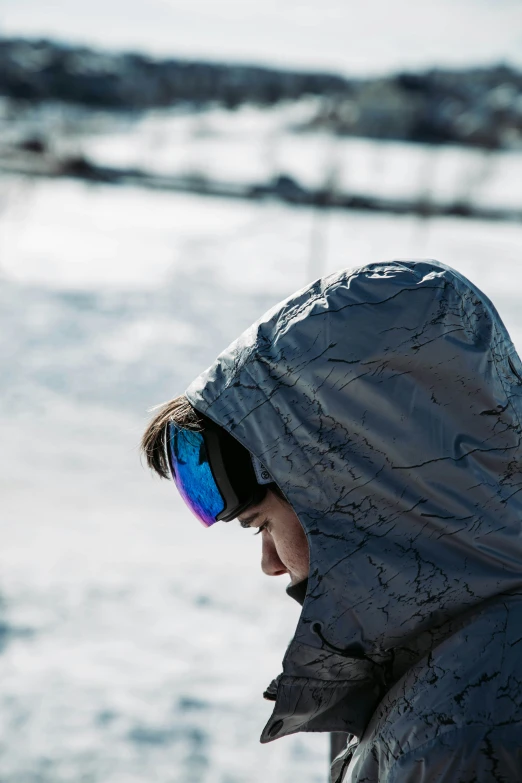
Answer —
(285, 548)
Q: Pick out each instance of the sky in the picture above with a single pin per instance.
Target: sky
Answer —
(337, 35)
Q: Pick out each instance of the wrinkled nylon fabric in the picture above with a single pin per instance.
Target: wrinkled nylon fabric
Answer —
(386, 403)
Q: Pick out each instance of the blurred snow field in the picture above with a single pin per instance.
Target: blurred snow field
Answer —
(252, 146)
(257, 145)
(135, 645)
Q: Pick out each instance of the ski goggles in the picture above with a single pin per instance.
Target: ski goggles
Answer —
(214, 474)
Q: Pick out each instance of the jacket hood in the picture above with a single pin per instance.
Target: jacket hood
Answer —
(385, 401)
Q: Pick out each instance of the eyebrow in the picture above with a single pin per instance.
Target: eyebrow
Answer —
(247, 521)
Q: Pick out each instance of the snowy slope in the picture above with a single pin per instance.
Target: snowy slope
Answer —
(254, 145)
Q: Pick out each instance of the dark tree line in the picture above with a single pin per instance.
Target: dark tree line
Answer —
(480, 106)
(42, 70)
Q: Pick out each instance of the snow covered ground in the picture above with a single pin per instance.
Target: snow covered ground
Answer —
(254, 145)
(135, 644)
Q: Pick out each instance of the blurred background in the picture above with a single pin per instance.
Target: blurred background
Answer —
(169, 170)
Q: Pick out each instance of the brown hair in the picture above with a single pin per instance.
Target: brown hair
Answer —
(181, 412)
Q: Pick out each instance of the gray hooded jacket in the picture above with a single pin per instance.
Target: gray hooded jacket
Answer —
(386, 403)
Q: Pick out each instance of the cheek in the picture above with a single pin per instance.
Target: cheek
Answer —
(293, 550)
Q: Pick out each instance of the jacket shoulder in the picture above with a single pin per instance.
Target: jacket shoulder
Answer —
(463, 700)
(471, 754)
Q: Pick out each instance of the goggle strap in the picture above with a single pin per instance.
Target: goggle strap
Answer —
(219, 472)
(262, 474)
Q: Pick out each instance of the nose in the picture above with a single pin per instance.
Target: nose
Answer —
(271, 564)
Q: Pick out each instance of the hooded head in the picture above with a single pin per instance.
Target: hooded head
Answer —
(385, 403)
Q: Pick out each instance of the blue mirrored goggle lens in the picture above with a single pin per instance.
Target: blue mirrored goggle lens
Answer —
(190, 470)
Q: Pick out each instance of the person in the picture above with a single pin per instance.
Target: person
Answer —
(370, 428)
